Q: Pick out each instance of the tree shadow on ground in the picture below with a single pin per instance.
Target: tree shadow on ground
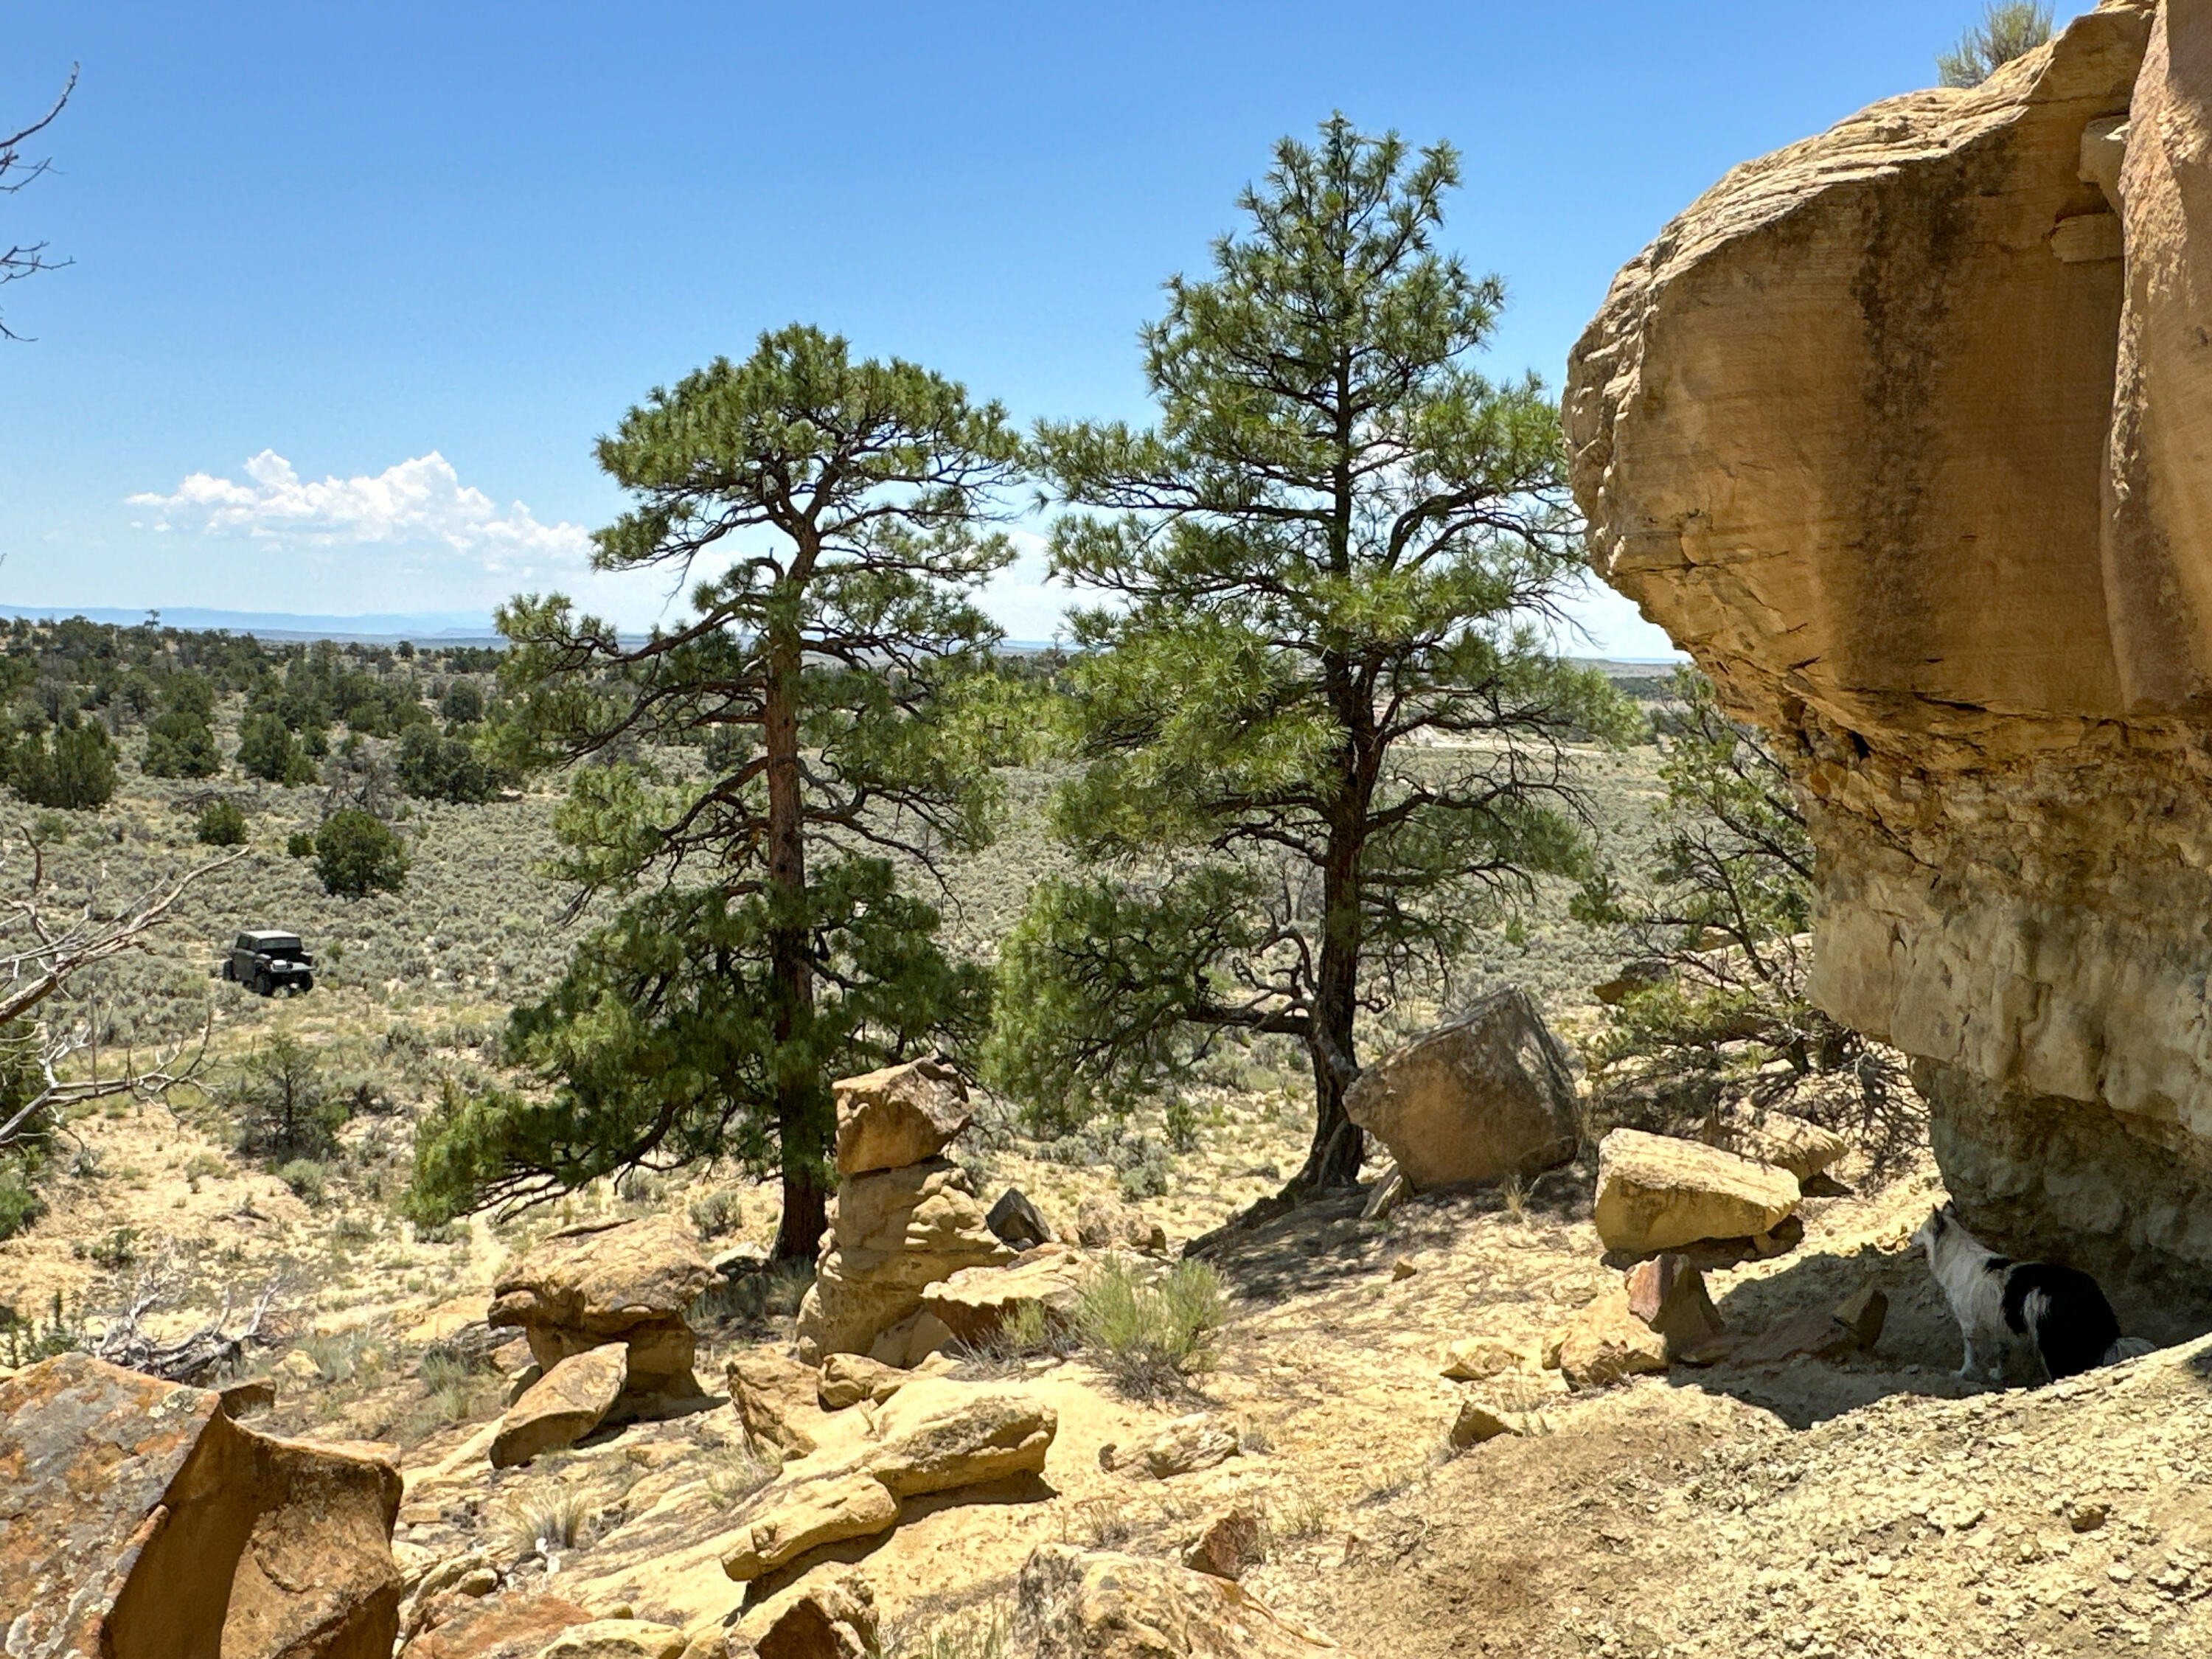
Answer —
(1323, 1245)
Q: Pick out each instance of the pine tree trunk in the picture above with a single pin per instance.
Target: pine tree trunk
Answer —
(1339, 1144)
(805, 1129)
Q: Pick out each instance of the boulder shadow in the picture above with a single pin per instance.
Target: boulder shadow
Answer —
(1917, 1354)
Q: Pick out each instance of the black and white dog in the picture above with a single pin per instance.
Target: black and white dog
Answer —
(1997, 1301)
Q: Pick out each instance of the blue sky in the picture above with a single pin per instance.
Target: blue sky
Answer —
(356, 286)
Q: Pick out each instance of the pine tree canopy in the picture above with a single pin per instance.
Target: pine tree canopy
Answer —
(833, 519)
(1319, 724)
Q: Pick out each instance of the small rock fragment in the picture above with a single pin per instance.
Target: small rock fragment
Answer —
(1018, 1221)
(1476, 1424)
(1184, 1446)
(848, 1378)
(1226, 1545)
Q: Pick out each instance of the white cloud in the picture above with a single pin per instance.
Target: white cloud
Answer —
(420, 504)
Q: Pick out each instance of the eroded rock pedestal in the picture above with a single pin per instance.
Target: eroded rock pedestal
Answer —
(1905, 432)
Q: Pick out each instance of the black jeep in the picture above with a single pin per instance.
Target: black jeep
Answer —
(268, 962)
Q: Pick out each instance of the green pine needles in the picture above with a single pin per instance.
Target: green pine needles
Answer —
(1319, 724)
(836, 684)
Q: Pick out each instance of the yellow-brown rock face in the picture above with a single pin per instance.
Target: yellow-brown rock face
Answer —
(1905, 432)
(139, 1521)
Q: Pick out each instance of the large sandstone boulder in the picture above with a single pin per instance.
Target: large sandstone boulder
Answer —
(935, 1435)
(1490, 1095)
(892, 1232)
(1656, 1193)
(976, 1301)
(1903, 432)
(627, 1282)
(138, 1520)
(899, 1115)
(1093, 1604)
(561, 1407)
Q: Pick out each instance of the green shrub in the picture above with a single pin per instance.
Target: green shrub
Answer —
(221, 823)
(267, 749)
(19, 1203)
(305, 1177)
(77, 772)
(1150, 1337)
(444, 768)
(717, 1215)
(300, 844)
(285, 1110)
(179, 746)
(356, 854)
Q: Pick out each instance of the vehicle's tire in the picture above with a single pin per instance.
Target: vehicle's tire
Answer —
(230, 969)
(262, 987)
(304, 984)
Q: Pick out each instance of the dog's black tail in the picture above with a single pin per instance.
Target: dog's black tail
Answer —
(2074, 1327)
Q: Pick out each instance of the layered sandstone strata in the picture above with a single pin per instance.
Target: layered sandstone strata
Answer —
(1904, 433)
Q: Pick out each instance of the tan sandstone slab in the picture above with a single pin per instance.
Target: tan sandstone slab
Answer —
(976, 1301)
(1655, 1192)
(899, 1116)
(935, 1435)
(563, 1405)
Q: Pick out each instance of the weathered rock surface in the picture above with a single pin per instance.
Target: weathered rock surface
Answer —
(615, 1639)
(1227, 1544)
(500, 1627)
(1804, 1149)
(136, 1518)
(627, 1282)
(1903, 432)
(1094, 1604)
(976, 1301)
(1490, 1095)
(849, 1378)
(777, 1399)
(935, 1435)
(563, 1405)
(1197, 1441)
(892, 1232)
(829, 1613)
(1107, 1224)
(1605, 1343)
(899, 1115)
(1655, 1192)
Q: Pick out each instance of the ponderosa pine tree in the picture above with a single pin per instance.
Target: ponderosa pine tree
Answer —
(847, 505)
(1317, 728)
